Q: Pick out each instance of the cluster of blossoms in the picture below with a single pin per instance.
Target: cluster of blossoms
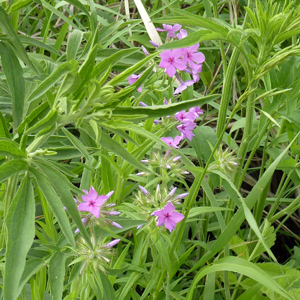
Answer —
(165, 216)
(186, 59)
(160, 162)
(96, 206)
(187, 125)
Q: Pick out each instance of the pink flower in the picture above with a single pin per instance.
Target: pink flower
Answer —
(171, 61)
(185, 117)
(186, 130)
(170, 30)
(172, 143)
(93, 202)
(133, 78)
(168, 216)
(183, 86)
(191, 56)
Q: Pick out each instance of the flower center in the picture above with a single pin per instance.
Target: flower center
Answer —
(171, 60)
(167, 216)
(92, 203)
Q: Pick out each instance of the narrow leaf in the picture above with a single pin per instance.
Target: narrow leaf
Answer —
(57, 274)
(14, 77)
(20, 234)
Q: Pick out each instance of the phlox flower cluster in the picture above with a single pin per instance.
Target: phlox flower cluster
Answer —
(96, 206)
(162, 163)
(164, 206)
(186, 59)
(187, 125)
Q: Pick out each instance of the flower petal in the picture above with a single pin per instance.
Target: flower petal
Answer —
(170, 224)
(177, 217)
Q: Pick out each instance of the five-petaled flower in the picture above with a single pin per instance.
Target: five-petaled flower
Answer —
(170, 61)
(93, 202)
(168, 216)
(186, 129)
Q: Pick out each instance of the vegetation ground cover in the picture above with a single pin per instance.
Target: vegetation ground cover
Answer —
(149, 149)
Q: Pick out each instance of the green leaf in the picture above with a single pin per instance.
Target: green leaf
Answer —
(56, 76)
(56, 12)
(18, 5)
(196, 211)
(32, 266)
(241, 266)
(63, 187)
(74, 44)
(101, 67)
(158, 111)
(55, 204)
(57, 274)
(205, 137)
(111, 145)
(48, 121)
(26, 40)
(20, 235)
(76, 143)
(3, 127)
(124, 75)
(5, 24)
(37, 114)
(239, 216)
(11, 167)
(10, 148)
(14, 77)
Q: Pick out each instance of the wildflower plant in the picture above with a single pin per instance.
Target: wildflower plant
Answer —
(100, 105)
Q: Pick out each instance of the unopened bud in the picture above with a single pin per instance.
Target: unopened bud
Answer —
(112, 243)
(145, 50)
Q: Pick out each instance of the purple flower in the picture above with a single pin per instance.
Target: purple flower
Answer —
(186, 129)
(182, 34)
(185, 117)
(168, 216)
(133, 78)
(170, 30)
(93, 202)
(170, 61)
(172, 143)
(143, 104)
(183, 86)
(191, 56)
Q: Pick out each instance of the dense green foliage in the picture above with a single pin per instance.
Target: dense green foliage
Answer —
(70, 120)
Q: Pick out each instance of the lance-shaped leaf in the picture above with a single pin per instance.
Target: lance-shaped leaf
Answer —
(14, 77)
(158, 111)
(20, 233)
(57, 274)
(12, 167)
(51, 80)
